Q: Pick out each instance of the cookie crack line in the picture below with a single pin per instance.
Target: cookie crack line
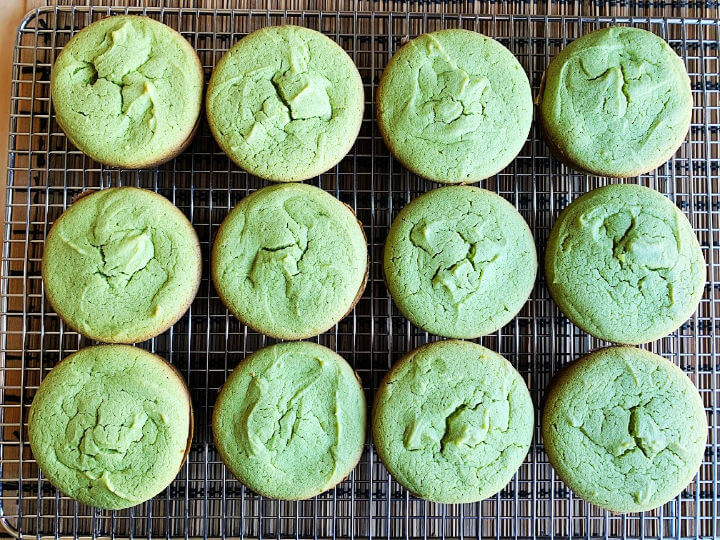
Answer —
(127, 91)
(618, 252)
(91, 444)
(110, 270)
(643, 432)
(301, 93)
(456, 275)
(290, 420)
(284, 101)
(120, 264)
(107, 435)
(88, 444)
(616, 102)
(447, 105)
(618, 455)
(621, 85)
(453, 421)
(292, 406)
(121, 81)
(619, 444)
(288, 255)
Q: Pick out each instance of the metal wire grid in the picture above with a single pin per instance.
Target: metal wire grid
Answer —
(46, 173)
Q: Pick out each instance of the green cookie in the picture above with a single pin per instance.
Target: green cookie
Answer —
(285, 103)
(623, 263)
(454, 106)
(290, 261)
(460, 261)
(110, 426)
(121, 265)
(625, 429)
(290, 420)
(127, 91)
(453, 421)
(616, 102)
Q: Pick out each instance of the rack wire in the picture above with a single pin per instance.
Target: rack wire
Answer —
(46, 173)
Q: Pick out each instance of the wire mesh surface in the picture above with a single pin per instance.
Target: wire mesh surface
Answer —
(46, 173)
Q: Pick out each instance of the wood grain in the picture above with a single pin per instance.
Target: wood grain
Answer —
(11, 13)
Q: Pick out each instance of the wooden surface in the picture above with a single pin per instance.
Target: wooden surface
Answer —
(11, 13)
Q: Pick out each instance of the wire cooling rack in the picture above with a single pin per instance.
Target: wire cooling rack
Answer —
(46, 173)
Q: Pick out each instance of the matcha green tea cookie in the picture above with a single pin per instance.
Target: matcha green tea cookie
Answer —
(453, 421)
(290, 261)
(460, 261)
(121, 265)
(127, 91)
(454, 106)
(110, 426)
(623, 263)
(289, 422)
(625, 429)
(616, 102)
(285, 103)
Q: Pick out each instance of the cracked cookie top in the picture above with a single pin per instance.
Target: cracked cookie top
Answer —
(127, 91)
(625, 429)
(460, 261)
(121, 265)
(285, 103)
(110, 425)
(623, 263)
(616, 102)
(454, 106)
(453, 421)
(290, 261)
(290, 420)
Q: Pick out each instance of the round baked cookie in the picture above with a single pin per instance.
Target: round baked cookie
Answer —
(454, 106)
(460, 261)
(623, 263)
(624, 428)
(121, 265)
(127, 91)
(111, 425)
(453, 422)
(285, 103)
(290, 261)
(289, 422)
(616, 102)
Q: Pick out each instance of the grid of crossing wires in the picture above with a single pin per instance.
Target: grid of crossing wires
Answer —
(46, 173)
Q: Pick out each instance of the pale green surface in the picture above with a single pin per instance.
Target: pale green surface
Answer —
(617, 102)
(453, 422)
(454, 106)
(285, 103)
(625, 429)
(127, 91)
(460, 261)
(121, 265)
(290, 260)
(290, 420)
(109, 425)
(623, 263)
